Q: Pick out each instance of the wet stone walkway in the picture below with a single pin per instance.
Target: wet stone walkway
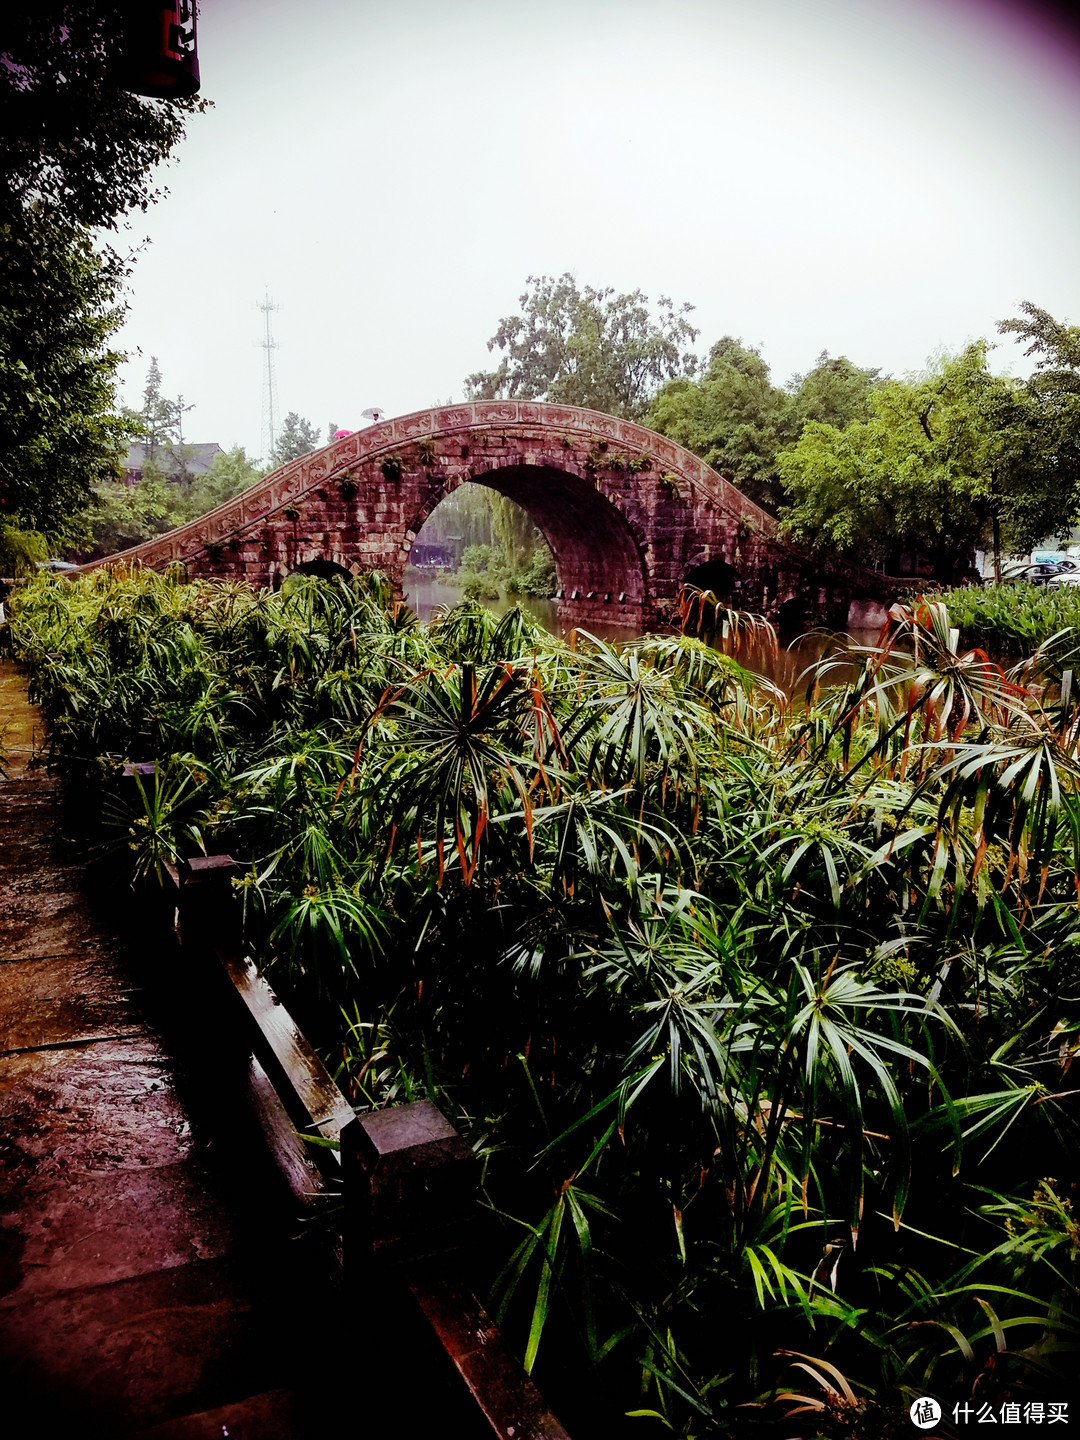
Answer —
(148, 1287)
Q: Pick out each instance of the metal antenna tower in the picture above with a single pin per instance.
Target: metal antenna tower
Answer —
(268, 344)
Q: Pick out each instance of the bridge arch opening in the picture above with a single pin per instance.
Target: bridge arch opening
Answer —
(792, 616)
(599, 570)
(715, 575)
(465, 528)
(597, 560)
(320, 569)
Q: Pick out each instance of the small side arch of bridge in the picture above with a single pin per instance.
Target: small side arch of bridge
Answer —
(630, 516)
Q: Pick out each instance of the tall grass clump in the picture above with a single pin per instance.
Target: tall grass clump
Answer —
(761, 1018)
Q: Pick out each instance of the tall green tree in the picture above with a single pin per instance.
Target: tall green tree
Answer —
(576, 345)
(733, 416)
(738, 420)
(60, 433)
(298, 437)
(1054, 386)
(79, 153)
(947, 463)
(159, 419)
(835, 392)
(1055, 345)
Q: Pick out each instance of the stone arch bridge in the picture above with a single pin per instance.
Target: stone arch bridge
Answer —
(630, 516)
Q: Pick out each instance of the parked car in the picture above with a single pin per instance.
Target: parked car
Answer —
(1063, 578)
(1040, 574)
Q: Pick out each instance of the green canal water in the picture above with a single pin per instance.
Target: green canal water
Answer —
(784, 667)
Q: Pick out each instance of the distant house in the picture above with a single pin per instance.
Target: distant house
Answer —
(197, 460)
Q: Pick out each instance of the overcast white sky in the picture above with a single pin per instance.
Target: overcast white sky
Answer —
(875, 178)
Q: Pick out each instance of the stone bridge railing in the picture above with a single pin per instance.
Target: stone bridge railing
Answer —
(284, 487)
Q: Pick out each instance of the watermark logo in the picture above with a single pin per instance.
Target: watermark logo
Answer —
(925, 1412)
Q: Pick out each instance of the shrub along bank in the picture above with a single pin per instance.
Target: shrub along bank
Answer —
(1013, 620)
(760, 1019)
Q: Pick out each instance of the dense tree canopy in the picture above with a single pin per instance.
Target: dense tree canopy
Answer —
(738, 420)
(834, 392)
(78, 154)
(124, 514)
(59, 433)
(579, 346)
(77, 146)
(230, 472)
(733, 416)
(952, 461)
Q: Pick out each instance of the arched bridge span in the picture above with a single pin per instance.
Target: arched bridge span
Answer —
(629, 514)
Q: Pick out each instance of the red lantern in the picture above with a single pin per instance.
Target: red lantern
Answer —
(160, 56)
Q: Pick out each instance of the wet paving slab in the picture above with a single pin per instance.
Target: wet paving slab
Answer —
(50, 1096)
(26, 776)
(93, 1231)
(65, 999)
(35, 924)
(94, 1142)
(267, 1417)
(144, 1264)
(108, 1359)
(31, 844)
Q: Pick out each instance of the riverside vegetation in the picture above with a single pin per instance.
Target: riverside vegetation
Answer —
(1014, 620)
(760, 1017)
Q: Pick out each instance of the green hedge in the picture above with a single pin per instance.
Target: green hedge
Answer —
(1012, 620)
